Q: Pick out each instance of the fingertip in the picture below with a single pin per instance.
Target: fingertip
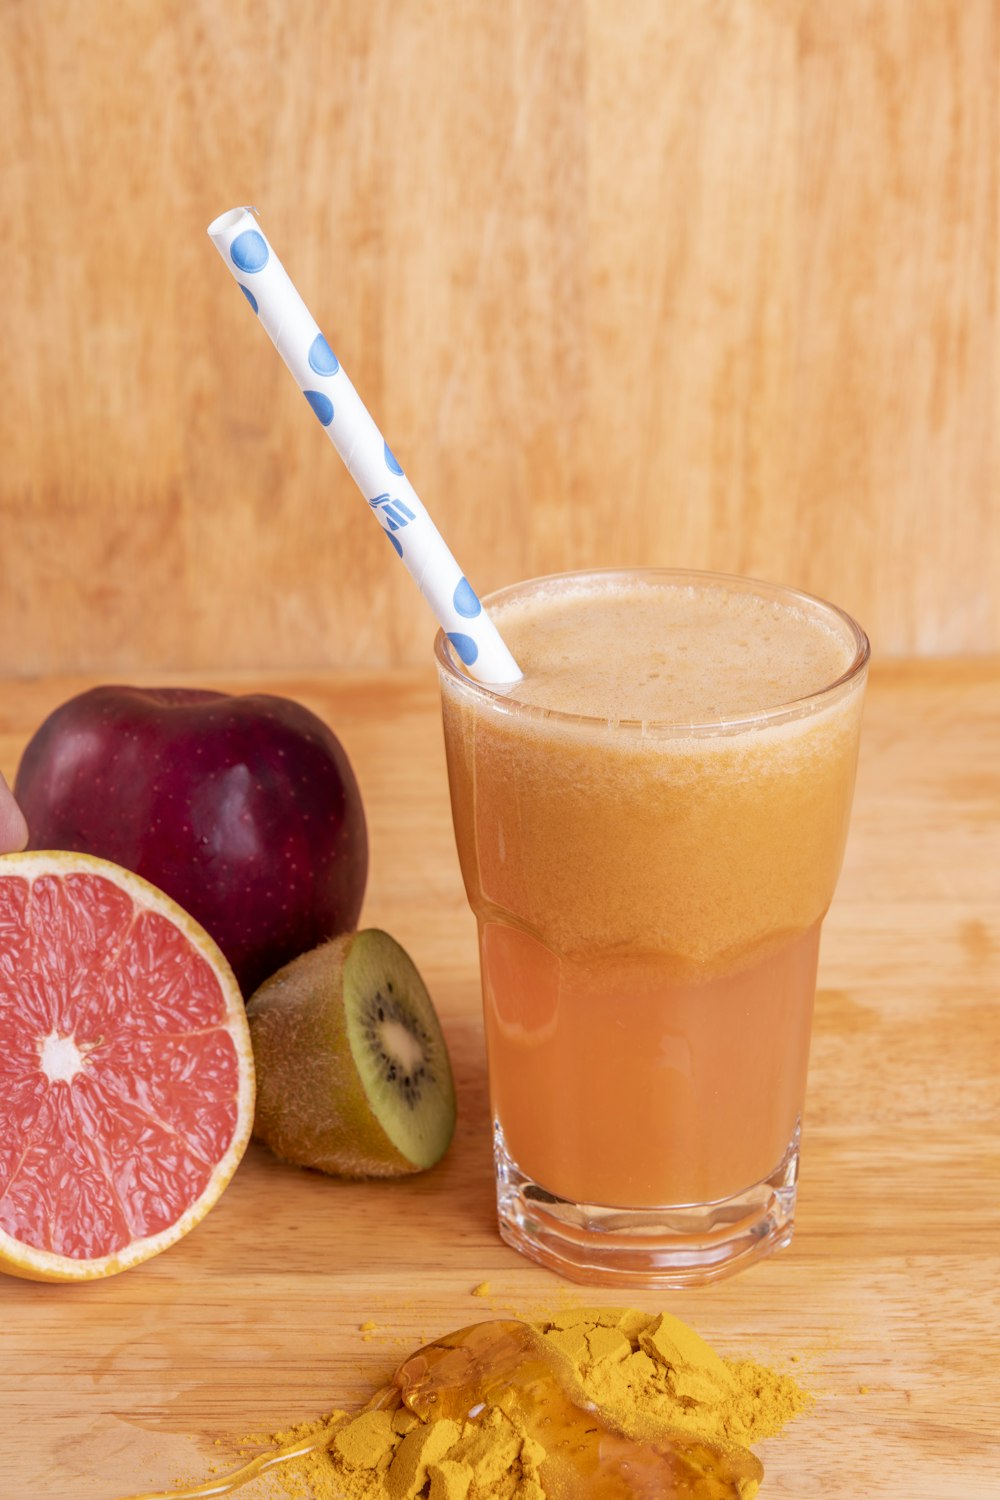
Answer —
(13, 828)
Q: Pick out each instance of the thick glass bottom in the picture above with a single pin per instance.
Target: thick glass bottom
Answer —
(671, 1246)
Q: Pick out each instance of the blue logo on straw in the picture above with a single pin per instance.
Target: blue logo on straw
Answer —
(392, 462)
(396, 512)
(248, 294)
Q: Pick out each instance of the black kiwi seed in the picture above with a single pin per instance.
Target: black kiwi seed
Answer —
(376, 1012)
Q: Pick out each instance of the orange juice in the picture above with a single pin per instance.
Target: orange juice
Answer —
(650, 826)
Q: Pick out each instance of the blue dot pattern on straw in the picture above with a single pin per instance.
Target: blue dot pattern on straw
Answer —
(464, 645)
(322, 358)
(249, 251)
(321, 405)
(465, 600)
(369, 459)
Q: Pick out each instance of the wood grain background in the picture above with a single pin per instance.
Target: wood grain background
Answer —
(711, 283)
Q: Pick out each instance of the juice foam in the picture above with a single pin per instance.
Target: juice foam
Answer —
(661, 652)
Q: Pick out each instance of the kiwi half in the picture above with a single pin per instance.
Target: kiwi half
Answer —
(353, 1075)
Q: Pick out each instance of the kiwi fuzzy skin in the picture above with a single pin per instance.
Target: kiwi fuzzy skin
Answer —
(311, 1109)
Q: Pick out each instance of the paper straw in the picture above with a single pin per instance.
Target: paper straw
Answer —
(295, 334)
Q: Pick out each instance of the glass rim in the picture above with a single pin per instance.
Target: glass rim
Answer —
(794, 708)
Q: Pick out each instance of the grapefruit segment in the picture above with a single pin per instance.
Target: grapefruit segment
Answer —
(126, 1072)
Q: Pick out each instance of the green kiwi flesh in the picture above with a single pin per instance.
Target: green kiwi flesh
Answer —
(353, 1075)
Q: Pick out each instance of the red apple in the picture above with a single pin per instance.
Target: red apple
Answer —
(244, 810)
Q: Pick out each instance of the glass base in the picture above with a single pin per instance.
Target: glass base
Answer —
(686, 1245)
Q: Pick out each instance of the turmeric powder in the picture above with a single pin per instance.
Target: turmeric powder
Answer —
(504, 1410)
(645, 1372)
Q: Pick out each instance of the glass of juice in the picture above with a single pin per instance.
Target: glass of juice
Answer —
(650, 826)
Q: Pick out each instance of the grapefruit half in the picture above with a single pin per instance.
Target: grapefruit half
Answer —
(126, 1072)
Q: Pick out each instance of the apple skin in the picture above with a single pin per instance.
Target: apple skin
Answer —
(244, 809)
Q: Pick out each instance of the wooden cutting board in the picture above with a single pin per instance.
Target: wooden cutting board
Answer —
(886, 1305)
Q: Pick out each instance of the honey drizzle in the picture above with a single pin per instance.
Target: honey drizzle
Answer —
(507, 1364)
(227, 1483)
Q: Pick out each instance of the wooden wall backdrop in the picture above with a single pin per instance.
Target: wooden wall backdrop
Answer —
(707, 283)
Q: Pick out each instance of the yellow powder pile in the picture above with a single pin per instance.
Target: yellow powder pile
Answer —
(645, 1371)
(648, 1372)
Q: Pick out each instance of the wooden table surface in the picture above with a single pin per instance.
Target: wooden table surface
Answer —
(887, 1304)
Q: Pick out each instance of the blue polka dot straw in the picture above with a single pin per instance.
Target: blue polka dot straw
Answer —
(370, 461)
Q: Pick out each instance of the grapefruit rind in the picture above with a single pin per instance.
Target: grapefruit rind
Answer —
(36, 1264)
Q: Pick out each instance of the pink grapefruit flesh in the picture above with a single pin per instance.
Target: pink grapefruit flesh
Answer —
(126, 1072)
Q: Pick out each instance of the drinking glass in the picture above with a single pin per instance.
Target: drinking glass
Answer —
(649, 897)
